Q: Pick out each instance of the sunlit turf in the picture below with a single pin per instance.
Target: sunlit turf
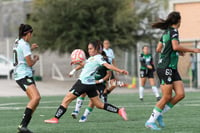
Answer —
(183, 118)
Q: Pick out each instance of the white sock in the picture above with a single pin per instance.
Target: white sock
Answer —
(88, 110)
(141, 92)
(155, 91)
(154, 115)
(79, 103)
(166, 108)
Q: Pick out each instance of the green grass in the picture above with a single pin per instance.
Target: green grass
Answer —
(183, 118)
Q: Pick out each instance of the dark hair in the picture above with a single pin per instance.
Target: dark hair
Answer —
(173, 18)
(145, 46)
(97, 45)
(24, 29)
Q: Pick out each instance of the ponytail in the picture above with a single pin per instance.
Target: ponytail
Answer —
(173, 18)
(24, 29)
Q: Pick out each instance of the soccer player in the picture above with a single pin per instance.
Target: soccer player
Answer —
(168, 74)
(23, 73)
(101, 76)
(112, 83)
(147, 71)
(86, 84)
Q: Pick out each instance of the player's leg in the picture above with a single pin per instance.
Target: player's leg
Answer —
(75, 91)
(141, 88)
(108, 107)
(167, 95)
(154, 88)
(79, 103)
(87, 111)
(34, 97)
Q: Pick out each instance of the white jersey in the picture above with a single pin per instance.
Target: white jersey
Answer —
(110, 54)
(89, 70)
(21, 49)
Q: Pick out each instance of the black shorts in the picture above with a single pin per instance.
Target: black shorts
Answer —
(112, 75)
(168, 75)
(101, 87)
(147, 73)
(78, 88)
(24, 82)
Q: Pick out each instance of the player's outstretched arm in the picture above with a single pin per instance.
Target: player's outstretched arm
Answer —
(115, 69)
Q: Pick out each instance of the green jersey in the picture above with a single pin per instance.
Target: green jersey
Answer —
(145, 60)
(168, 57)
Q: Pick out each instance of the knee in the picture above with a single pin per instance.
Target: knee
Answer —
(37, 99)
(181, 96)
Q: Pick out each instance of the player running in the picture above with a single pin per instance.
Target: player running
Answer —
(86, 84)
(23, 73)
(147, 71)
(167, 68)
(101, 76)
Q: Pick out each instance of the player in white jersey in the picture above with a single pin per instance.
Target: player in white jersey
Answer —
(23, 73)
(87, 84)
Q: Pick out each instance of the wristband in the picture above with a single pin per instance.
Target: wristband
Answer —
(72, 72)
(101, 81)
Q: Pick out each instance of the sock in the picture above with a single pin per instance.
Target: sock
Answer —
(79, 103)
(167, 107)
(110, 108)
(154, 115)
(61, 110)
(88, 110)
(155, 91)
(141, 92)
(26, 117)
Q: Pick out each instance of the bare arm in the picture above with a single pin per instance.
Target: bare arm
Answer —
(177, 47)
(159, 47)
(31, 61)
(115, 68)
(78, 67)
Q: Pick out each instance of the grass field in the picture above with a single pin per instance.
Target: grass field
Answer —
(183, 118)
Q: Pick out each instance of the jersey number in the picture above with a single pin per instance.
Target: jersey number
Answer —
(15, 58)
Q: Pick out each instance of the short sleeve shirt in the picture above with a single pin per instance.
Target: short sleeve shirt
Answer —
(168, 57)
(21, 49)
(110, 54)
(90, 68)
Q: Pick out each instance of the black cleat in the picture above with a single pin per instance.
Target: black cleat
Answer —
(23, 130)
(141, 99)
(158, 99)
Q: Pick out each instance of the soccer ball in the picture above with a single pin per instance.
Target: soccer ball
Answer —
(77, 56)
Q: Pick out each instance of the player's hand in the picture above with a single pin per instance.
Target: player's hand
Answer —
(181, 53)
(149, 67)
(34, 46)
(124, 72)
(196, 50)
(36, 57)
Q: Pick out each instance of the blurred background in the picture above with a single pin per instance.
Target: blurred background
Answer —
(63, 25)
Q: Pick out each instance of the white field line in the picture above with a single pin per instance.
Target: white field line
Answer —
(73, 106)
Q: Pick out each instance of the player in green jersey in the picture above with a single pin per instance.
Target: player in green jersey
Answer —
(168, 74)
(147, 71)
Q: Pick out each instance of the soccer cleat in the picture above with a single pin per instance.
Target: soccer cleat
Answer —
(160, 121)
(74, 114)
(122, 113)
(21, 129)
(141, 99)
(52, 120)
(152, 126)
(83, 119)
